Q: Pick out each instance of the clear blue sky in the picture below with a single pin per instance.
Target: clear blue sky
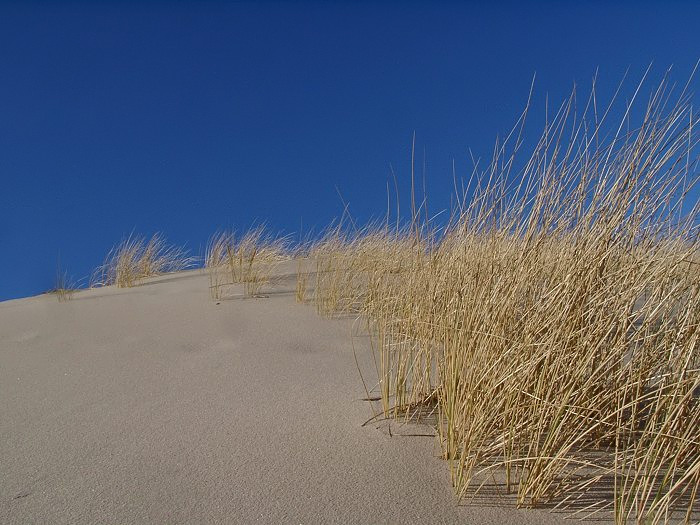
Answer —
(189, 117)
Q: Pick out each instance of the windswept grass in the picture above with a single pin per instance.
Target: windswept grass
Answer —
(553, 326)
(135, 258)
(250, 260)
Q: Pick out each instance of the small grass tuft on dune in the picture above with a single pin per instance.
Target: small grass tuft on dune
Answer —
(137, 257)
(250, 260)
(64, 287)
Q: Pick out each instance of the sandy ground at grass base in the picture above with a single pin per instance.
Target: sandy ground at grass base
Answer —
(155, 404)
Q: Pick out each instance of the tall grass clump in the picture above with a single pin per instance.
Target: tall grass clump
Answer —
(250, 260)
(137, 257)
(553, 326)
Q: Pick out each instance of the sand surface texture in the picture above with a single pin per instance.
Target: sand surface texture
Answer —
(156, 405)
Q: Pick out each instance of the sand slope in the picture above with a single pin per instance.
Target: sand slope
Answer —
(156, 405)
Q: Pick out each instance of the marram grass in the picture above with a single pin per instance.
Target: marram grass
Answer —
(553, 326)
(250, 260)
(135, 258)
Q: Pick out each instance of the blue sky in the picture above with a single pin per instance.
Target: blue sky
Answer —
(189, 117)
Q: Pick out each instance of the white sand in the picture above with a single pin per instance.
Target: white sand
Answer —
(156, 405)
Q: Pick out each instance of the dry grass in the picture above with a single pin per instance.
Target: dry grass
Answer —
(554, 325)
(65, 287)
(135, 258)
(252, 261)
(302, 282)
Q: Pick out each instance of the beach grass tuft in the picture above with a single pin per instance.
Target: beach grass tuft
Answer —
(250, 260)
(137, 257)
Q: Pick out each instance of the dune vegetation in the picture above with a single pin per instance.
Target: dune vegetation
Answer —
(64, 287)
(137, 257)
(551, 328)
(250, 260)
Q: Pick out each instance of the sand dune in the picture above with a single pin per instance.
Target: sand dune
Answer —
(156, 405)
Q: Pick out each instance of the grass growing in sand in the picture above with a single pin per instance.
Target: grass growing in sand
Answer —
(64, 287)
(553, 326)
(251, 260)
(135, 258)
(551, 330)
